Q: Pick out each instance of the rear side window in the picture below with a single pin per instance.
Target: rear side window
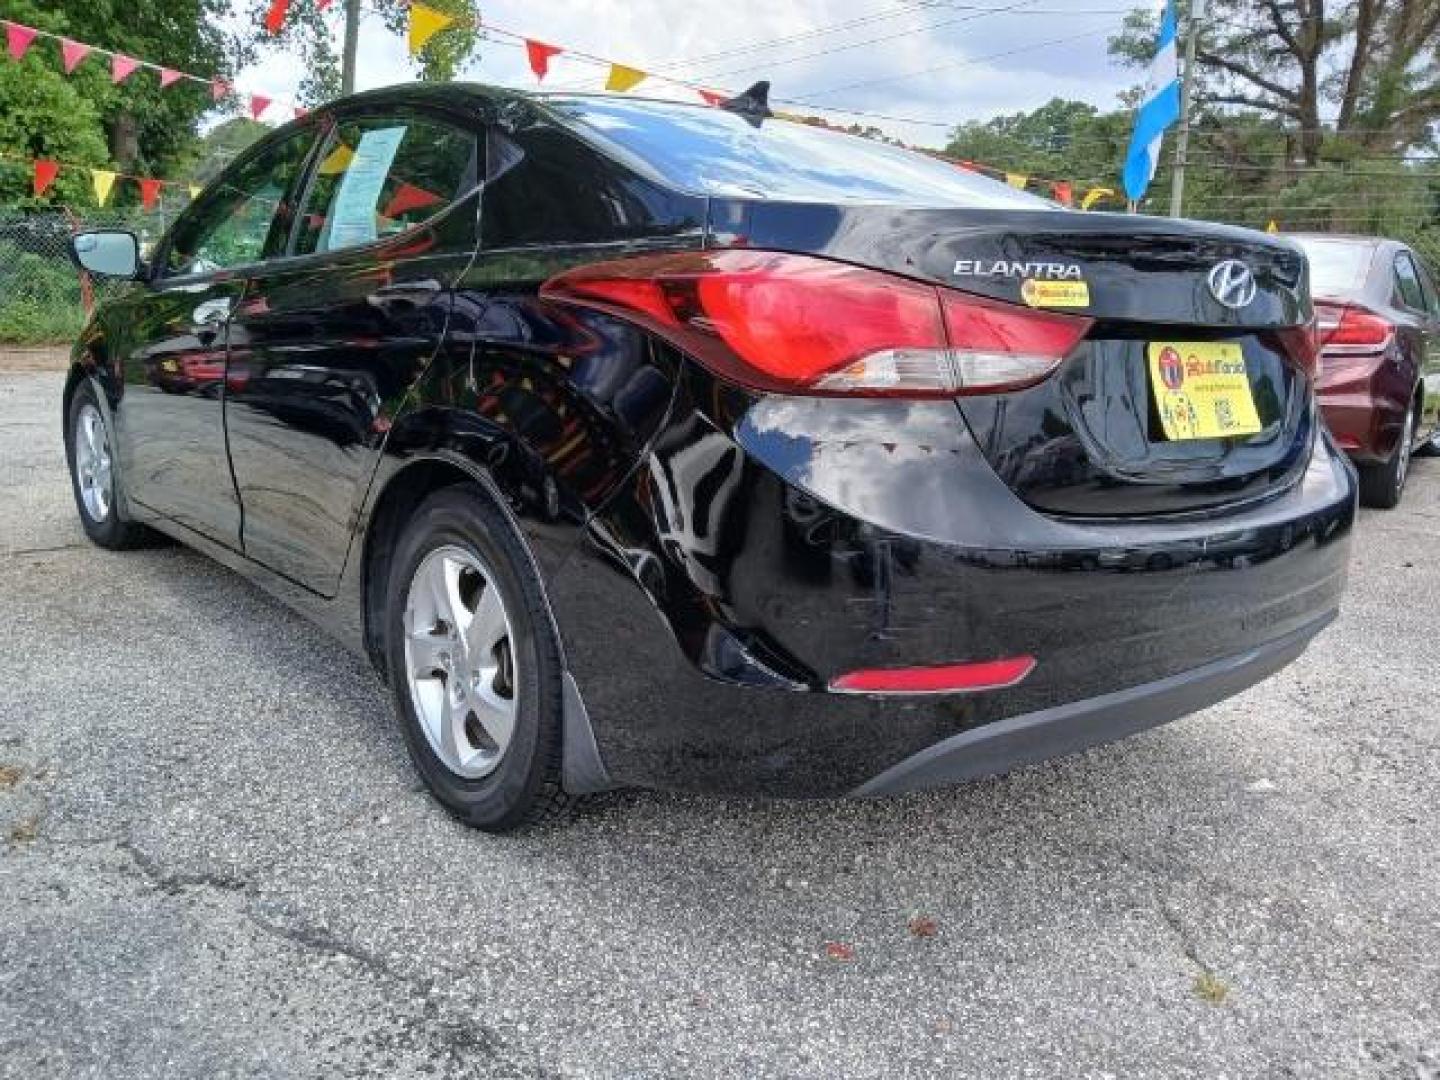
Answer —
(546, 186)
(1407, 283)
(713, 151)
(378, 177)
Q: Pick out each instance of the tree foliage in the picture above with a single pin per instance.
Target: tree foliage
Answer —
(1366, 71)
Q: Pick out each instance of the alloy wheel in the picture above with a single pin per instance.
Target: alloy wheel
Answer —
(93, 467)
(460, 661)
(1407, 437)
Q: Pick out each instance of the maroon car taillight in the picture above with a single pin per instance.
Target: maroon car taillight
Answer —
(802, 325)
(1349, 330)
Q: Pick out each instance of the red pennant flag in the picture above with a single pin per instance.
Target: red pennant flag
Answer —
(122, 67)
(409, 197)
(218, 89)
(712, 98)
(258, 104)
(45, 173)
(1064, 193)
(275, 17)
(168, 76)
(540, 55)
(323, 4)
(18, 38)
(149, 192)
(73, 52)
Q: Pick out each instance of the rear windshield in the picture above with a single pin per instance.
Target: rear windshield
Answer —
(712, 151)
(1337, 266)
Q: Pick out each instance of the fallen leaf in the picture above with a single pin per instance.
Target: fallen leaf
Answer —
(839, 950)
(923, 926)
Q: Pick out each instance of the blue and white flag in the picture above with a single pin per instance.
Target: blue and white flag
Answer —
(1159, 108)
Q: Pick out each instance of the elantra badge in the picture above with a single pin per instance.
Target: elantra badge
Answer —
(1232, 283)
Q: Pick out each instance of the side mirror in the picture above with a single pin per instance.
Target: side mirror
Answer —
(108, 252)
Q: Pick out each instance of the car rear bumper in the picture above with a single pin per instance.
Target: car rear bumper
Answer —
(734, 579)
(1065, 729)
(1364, 400)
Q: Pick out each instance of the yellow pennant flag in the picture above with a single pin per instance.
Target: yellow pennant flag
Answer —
(1094, 195)
(337, 161)
(1272, 228)
(1018, 180)
(104, 180)
(194, 190)
(425, 23)
(624, 78)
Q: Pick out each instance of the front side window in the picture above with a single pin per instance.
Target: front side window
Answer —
(233, 222)
(378, 177)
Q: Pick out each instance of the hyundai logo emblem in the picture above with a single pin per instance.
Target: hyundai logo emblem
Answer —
(1232, 283)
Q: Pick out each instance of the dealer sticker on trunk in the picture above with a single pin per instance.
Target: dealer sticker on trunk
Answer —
(1202, 390)
(1055, 294)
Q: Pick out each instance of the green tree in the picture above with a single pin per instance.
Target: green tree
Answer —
(1061, 140)
(1374, 65)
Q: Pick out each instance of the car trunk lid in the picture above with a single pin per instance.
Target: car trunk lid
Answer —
(1091, 440)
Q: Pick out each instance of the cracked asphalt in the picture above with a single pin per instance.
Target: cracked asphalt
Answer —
(215, 861)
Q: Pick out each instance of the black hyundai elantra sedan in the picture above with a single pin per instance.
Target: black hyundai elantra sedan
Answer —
(638, 443)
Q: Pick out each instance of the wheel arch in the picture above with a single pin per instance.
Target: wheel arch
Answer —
(404, 489)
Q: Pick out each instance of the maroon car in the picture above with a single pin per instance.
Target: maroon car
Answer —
(1378, 319)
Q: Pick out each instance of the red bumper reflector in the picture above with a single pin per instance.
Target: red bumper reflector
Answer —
(941, 679)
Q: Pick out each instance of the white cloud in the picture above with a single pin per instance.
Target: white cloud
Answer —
(922, 60)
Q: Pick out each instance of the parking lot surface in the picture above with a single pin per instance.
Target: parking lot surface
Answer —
(215, 861)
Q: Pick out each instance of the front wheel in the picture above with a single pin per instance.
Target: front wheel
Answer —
(1382, 485)
(474, 664)
(89, 450)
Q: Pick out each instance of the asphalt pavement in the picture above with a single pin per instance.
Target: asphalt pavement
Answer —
(215, 861)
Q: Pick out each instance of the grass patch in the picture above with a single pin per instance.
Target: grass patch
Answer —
(1210, 988)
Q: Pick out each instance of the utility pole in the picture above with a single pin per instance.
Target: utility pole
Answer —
(1187, 77)
(352, 41)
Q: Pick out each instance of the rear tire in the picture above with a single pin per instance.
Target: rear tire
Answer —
(89, 451)
(481, 709)
(1381, 486)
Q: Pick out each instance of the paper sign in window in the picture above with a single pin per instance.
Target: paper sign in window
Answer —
(352, 216)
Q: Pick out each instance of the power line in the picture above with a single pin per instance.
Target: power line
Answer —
(968, 62)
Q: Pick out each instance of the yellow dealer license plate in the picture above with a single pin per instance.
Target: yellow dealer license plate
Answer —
(1202, 390)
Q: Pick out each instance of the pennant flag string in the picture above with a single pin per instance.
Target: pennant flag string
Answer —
(424, 23)
(44, 172)
(19, 39)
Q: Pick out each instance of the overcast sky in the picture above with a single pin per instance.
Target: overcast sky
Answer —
(933, 62)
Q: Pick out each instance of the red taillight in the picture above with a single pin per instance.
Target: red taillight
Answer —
(1345, 328)
(942, 679)
(801, 325)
